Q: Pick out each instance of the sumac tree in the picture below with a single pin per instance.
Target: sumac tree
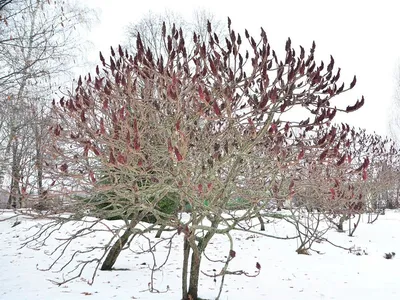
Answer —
(208, 126)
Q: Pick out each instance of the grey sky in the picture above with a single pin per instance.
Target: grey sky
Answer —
(362, 36)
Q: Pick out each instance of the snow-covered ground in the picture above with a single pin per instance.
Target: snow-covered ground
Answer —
(335, 274)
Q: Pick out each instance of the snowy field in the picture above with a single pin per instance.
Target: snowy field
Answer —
(334, 274)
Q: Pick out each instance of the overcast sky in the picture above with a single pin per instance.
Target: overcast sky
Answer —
(363, 37)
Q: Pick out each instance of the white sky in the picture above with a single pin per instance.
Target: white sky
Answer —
(362, 36)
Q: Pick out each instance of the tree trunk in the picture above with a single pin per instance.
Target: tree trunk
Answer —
(355, 225)
(115, 251)
(197, 251)
(14, 200)
(186, 252)
(5, 164)
(159, 231)
(39, 159)
(194, 276)
(262, 224)
(341, 221)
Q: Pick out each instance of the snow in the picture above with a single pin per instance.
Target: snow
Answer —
(335, 274)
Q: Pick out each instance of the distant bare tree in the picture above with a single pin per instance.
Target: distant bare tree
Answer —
(150, 29)
(38, 47)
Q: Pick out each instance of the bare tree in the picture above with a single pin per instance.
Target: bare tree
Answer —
(150, 29)
(37, 51)
(348, 179)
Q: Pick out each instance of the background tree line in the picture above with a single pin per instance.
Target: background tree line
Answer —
(39, 47)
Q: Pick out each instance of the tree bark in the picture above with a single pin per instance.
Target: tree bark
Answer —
(341, 221)
(355, 225)
(39, 159)
(186, 252)
(197, 251)
(159, 231)
(194, 276)
(14, 200)
(115, 251)
(262, 224)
